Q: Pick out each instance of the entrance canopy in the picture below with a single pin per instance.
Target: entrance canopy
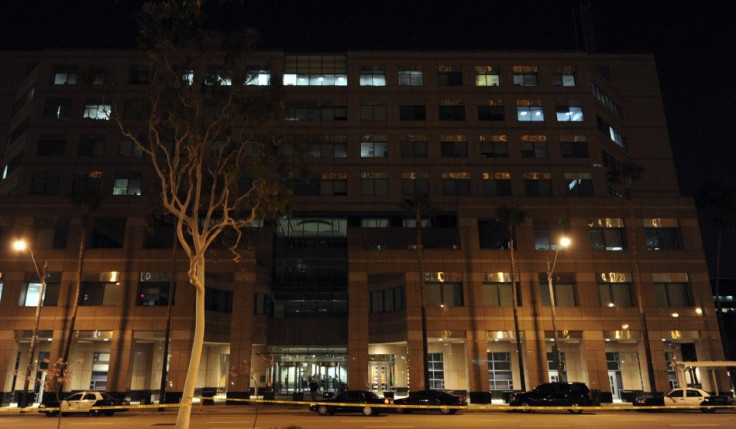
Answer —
(704, 364)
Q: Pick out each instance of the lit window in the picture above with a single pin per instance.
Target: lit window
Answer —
(315, 70)
(569, 114)
(567, 79)
(411, 78)
(579, 184)
(374, 146)
(529, 114)
(127, 186)
(257, 77)
(372, 76)
(98, 111)
(486, 76)
(65, 75)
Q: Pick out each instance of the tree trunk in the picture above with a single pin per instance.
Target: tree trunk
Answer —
(185, 409)
(420, 260)
(75, 303)
(515, 303)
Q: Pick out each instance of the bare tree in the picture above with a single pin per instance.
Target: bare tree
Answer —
(512, 217)
(206, 134)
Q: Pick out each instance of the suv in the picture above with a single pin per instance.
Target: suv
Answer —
(555, 395)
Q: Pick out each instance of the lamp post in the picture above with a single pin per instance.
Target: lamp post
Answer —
(21, 245)
(564, 243)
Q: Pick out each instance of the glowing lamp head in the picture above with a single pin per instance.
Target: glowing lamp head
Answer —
(20, 245)
(565, 242)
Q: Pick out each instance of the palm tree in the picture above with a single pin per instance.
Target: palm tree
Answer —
(420, 207)
(718, 198)
(512, 217)
(624, 176)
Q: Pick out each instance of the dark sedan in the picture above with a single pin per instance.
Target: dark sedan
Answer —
(555, 395)
(350, 401)
(437, 398)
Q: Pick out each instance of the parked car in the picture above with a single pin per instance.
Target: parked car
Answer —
(555, 395)
(683, 397)
(432, 397)
(350, 401)
(82, 402)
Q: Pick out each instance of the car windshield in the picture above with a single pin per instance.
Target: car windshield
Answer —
(74, 397)
(370, 395)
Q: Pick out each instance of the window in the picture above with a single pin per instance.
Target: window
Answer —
(334, 184)
(313, 111)
(52, 233)
(257, 77)
(497, 184)
(525, 75)
(456, 183)
(91, 145)
(333, 146)
(446, 76)
(563, 288)
(107, 233)
(579, 184)
(413, 146)
(86, 184)
(373, 183)
(65, 75)
(51, 146)
(498, 295)
(31, 293)
(138, 75)
(534, 147)
(57, 108)
(486, 76)
(96, 110)
(443, 294)
(415, 112)
(574, 146)
(45, 186)
(136, 109)
(128, 148)
(374, 146)
(673, 294)
(102, 75)
(413, 183)
(262, 304)
(436, 371)
(153, 289)
(372, 110)
(529, 114)
(607, 234)
(315, 70)
(491, 113)
(387, 301)
(615, 294)
(23, 101)
(451, 112)
(564, 79)
(372, 76)
(606, 101)
(569, 113)
(1, 291)
(494, 146)
(218, 300)
(662, 234)
(611, 133)
(499, 371)
(411, 78)
(127, 186)
(453, 146)
(216, 76)
(538, 184)
(547, 234)
(99, 293)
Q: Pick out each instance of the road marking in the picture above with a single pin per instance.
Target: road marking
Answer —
(390, 427)
(699, 425)
(544, 426)
(635, 420)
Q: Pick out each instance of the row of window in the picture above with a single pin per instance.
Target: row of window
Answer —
(449, 294)
(376, 111)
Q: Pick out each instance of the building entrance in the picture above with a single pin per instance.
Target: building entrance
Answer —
(295, 367)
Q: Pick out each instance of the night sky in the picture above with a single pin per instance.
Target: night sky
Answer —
(693, 43)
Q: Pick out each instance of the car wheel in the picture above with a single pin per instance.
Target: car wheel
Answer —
(576, 409)
(51, 413)
(453, 411)
(322, 410)
(708, 410)
(401, 411)
(445, 411)
(526, 406)
(109, 413)
(367, 411)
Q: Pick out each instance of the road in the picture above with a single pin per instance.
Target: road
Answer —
(221, 417)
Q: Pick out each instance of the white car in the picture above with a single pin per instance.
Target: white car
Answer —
(82, 402)
(685, 396)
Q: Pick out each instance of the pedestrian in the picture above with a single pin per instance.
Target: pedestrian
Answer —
(313, 388)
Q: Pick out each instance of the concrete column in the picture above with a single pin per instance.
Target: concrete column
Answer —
(358, 331)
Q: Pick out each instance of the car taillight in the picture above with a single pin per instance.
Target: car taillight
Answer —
(386, 400)
(461, 399)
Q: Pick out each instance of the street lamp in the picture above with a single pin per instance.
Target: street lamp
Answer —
(564, 243)
(21, 245)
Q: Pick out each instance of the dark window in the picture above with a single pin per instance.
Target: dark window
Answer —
(662, 238)
(498, 295)
(541, 187)
(99, 293)
(443, 294)
(57, 108)
(547, 234)
(413, 113)
(454, 149)
(413, 149)
(412, 187)
(153, 293)
(610, 239)
(572, 149)
(673, 294)
(218, 300)
(91, 145)
(494, 149)
(136, 109)
(387, 301)
(491, 113)
(615, 294)
(534, 149)
(107, 233)
(138, 75)
(450, 78)
(452, 113)
(497, 187)
(45, 186)
(263, 304)
(51, 146)
(18, 131)
(458, 187)
(564, 292)
(525, 79)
